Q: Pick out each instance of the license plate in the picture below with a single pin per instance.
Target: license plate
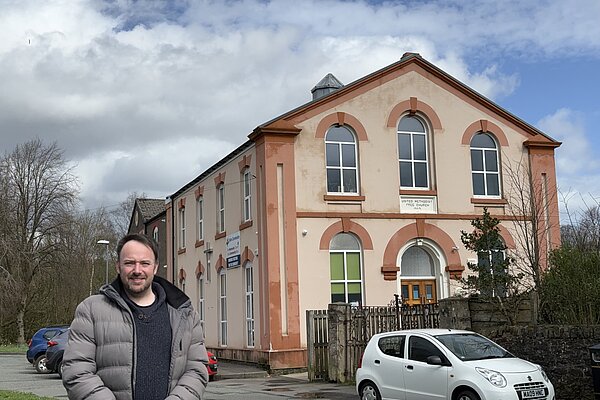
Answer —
(533, 393)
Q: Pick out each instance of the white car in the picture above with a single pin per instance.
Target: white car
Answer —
(427, 364)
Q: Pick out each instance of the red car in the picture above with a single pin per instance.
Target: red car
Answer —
(211, 366)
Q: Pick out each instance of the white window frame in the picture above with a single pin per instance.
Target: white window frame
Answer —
(221, 208)
(412, 159)
(485, 172)
(247, 196)
(222, 308)
(201, 309)
(346, 281)
(182, 227)
(249, 280)
(341, 168)
(200, 218)
(155, 234)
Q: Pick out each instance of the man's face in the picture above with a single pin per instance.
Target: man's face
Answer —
(136, 268)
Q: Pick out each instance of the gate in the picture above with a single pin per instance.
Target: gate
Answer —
(317, 339)
(337, 337)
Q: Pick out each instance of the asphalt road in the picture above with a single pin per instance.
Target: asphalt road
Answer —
(17, 374)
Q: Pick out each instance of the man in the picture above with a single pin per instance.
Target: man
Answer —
(139, 338)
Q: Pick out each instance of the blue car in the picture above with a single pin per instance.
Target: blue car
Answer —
(38, 344)
(54, 354)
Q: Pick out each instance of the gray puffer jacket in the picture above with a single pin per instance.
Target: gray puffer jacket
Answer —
(98, 362)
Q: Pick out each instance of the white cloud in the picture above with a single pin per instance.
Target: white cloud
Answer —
(114, 82)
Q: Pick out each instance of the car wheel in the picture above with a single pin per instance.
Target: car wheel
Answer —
(59, 369)
(368, 391)
(467, 395)
(40, 364)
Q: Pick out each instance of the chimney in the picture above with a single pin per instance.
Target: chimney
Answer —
(327, 85)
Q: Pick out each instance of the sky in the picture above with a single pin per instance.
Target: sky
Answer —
(143, 96)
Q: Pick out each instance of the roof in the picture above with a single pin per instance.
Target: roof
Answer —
(409, 62)
(150, 208)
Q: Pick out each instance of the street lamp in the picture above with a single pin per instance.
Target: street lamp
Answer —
(106, 242)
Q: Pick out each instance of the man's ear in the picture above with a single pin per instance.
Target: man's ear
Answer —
(117, 267)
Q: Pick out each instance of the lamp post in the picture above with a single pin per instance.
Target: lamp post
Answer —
(106, 242)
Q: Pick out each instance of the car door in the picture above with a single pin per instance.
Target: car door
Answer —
(424, 381)
(390, 363)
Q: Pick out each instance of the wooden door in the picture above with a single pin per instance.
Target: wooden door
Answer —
(418, 291)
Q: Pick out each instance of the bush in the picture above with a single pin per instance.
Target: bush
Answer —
(570, 289)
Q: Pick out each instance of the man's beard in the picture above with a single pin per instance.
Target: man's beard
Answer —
(135, 289)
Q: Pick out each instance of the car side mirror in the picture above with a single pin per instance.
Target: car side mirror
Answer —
(434, 360)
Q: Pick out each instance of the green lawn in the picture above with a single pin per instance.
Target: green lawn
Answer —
(13, 348)
(9, 395)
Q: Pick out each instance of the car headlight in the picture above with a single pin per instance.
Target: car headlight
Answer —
(543, 374)
(494, 377)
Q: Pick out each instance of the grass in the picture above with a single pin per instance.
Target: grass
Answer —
(13, 348)
(9, 395)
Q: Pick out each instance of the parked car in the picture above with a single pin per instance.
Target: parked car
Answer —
(212, 365)
(54, 354)
(36, 354)
(446, 364)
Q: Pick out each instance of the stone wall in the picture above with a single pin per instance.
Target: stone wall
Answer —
(563, 352)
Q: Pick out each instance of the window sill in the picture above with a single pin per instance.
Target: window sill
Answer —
(181, 250)
(478, 200)
(199, 243)
(409, 192)
(338, 197)
(220, 235)
(245, 225)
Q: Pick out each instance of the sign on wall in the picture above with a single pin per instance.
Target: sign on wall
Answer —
(233, 250)
(418, 204)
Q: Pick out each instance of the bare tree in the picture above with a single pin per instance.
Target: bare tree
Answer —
(38, 190)
(121, 216)
(530, 202)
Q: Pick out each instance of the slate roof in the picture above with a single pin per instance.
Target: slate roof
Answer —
(150, 208)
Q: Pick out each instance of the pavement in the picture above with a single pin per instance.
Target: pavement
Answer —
(289, 386)
(236, 370)
(234, 381)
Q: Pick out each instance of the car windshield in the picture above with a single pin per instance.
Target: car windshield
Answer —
(468, 347)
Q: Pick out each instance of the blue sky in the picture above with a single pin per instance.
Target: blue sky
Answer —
(140, 93)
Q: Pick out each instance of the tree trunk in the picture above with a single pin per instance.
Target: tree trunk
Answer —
(21, 326)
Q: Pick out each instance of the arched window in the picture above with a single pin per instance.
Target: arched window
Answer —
(412, 153)
(345, 265)
(221, 208)
(341, 160)
(155, 234)
(485, 166)
(200, 218)
(201, 310)
(222, 307)
(246, 196)
(249, 275)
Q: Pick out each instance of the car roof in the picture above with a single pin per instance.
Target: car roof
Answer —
(430, 332)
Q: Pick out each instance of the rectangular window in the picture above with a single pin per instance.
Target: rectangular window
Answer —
(182, 227)
(223, 308)
(201, 300)
(247, 214)
(249, 306)
(200, 216)
(221, 208)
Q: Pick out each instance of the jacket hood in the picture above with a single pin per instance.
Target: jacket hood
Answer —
(174, 296)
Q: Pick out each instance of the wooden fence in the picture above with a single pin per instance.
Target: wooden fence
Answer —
(337, 337)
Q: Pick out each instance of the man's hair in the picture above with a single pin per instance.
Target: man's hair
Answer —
(138, 237)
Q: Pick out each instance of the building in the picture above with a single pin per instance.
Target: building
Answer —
(354, 196)
(149, 218)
